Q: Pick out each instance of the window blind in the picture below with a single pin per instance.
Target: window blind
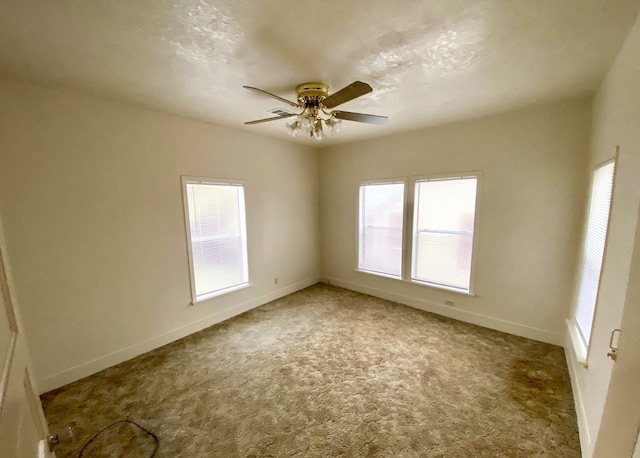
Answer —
(217, 236)
(380, 228)
(444, 219)
(593, 248)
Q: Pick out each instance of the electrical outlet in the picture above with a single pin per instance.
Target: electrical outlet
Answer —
(450, 303)
(275, 280)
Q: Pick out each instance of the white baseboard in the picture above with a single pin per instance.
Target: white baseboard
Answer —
(462, 315)
(91, 367)
(574, 366)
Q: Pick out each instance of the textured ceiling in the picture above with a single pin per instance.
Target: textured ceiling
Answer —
(429, 62)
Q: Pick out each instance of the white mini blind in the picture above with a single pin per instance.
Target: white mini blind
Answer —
(444, 220)
(217, 234)
(380, 228)
(593, 248)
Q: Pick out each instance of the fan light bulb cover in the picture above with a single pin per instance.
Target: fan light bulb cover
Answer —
(294, 128)
(333, 124)
(304, 121)
(311, 124)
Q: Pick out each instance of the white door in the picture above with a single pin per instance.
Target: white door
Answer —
(621, 417)
(23, 428)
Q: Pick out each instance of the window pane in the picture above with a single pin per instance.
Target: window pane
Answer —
(444, 259)
(218, 240)
(593, 249)
(443, 231)
(381, 222)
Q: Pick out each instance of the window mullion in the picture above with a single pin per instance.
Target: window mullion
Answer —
(408, 243)
(363, 233)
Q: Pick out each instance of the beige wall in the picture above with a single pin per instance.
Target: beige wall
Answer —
(533, 165)
(616, 121)
(93, 214)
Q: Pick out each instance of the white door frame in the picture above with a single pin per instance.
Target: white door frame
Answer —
(620, 423)
(23, 428)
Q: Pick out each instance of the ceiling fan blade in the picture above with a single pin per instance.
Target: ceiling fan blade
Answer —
(259, 121)
(360, 117)
(350, 92)
(293, 104)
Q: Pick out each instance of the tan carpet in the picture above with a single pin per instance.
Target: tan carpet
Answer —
(327, 372)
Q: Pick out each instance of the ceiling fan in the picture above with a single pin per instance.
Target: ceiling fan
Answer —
(315, 102)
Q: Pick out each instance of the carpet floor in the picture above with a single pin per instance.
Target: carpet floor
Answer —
(327, 372)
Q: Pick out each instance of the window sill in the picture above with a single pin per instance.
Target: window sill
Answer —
(446, 288)
(416, 282)
(578, 346)
(220, 292)
(378, 274)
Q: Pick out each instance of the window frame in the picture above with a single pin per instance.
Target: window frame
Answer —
(402, 181)
(474, 243)
(243, 223)
(582, 348)
(408, 221)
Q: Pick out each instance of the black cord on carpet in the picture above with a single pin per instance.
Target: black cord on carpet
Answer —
(155, 438)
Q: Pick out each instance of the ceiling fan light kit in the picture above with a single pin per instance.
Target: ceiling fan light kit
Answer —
(315, 101)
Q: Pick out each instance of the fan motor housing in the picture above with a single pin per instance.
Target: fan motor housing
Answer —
(311, 94)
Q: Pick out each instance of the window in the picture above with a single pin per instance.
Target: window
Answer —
(593, 248)
(380, 228)
(444, 219)
(216, 230)
(432, 243)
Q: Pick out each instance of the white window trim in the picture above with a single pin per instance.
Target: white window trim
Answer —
(378, 274)
(581, 349)
(407, 274)
(357, 259)
(220, 292)
(407, 236)
(416, 282)
(192, 281)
